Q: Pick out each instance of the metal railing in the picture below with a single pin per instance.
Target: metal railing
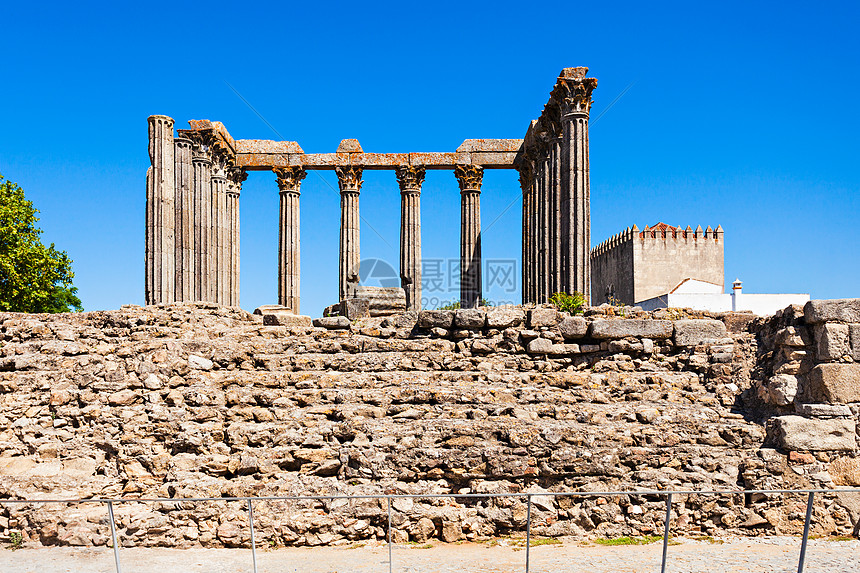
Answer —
(388, 497)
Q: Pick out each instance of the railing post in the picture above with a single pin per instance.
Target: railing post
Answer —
(253, 541)
(528, 528)
(805, 532)
(113, 537)
(666, 531)
(389, 533)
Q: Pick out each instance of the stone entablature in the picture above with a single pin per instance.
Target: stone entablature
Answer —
(553, 165)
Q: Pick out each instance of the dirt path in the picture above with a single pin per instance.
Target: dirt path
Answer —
(775, 554)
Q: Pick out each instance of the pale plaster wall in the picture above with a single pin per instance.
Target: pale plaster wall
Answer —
(660, 264)
(760, 304)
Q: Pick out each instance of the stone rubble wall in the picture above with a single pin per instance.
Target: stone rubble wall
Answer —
(193, 399)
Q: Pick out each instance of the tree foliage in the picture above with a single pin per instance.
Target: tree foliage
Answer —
(33, 277)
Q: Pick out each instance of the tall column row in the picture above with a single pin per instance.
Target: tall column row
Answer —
(192, 217)
(554, 175)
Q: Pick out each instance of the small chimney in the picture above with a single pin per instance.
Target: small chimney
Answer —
(736, 291)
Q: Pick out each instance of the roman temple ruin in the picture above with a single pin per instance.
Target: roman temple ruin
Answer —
(195, 181)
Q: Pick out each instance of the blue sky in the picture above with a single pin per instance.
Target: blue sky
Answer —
(739, 114)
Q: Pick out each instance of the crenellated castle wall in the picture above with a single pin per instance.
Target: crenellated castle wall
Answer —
(639, 265)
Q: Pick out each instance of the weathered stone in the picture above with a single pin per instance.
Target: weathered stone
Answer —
(355, 308)
(332, 322)
(811, 434)
(122, 398)
(540, 346)
(505, 317)
(824, 410)
(693, 332)
(287, 319)
(835, 383)
(782, 389)
(543, 316)
(854, 336)
(831, 341)
(845, 471)
(470, 319)
(572, 327)
(199, 363)
(794, 336)
(435, 318)
(835, 310)
(623, 328)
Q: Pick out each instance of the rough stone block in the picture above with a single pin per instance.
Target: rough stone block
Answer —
(543, 317)
(854, 336)
(835, 383)
(793, 336)
(540, 346)
(355, 308)
(831, 341)
(435, 318)
(573, 327)
(811, 434)
(470, 318)
(404, 320)
(622, 328)
(823, 410)
(384, 301)
(693, 332)
(505, 317)
(333, 322)
(286, 318)
(835, 310)
(782, 389)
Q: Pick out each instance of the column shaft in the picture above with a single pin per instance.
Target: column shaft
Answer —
(216, 234)
(577, 226)
(202, 222)
(184, 223)
(470, 178)
(349, 180)
(160, 213)
(410, 180)
(289, 262)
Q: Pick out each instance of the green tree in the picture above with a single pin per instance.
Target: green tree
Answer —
(33, 277)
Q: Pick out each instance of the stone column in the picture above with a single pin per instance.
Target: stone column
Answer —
(555, 281)
(289, 184)
(217, 268)
(526, 171)
(202, 162)
(235, 178)
(573, 94)
(160, 213)
(469, 177)
(349, 181)
(184, 231)
(410, 180)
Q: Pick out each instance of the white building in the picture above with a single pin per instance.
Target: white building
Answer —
(701, 295)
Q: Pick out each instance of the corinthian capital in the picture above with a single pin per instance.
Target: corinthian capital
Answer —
(410, 178)
(573, 91)
(349, 178)
(289, 178)
(235, 177)
(469, 177)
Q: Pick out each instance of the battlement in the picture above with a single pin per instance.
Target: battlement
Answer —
(664, 231)
(614, 241)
